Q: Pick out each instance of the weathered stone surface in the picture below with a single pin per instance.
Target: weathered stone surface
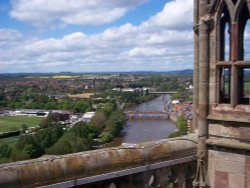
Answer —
(229, 170)
(224, 131)
(232, 132)
(221, 180)
(230, 167)
(211, 167)
(214, 129)
(225, 156)
(80, 167)
(248, 171)
(226, 124)
(236, 180)
(245, 133)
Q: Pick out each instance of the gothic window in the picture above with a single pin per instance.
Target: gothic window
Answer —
(234, 46)
(242, 21)
(225, 36)
(224, 71)
(244, 85)
(246, 48)
(225, 84)
(243, 67)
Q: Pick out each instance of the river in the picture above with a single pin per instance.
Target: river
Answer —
(142, 130)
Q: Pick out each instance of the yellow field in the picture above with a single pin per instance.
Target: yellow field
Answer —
(64, 77)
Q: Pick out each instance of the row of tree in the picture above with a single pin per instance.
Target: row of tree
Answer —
(53, 139)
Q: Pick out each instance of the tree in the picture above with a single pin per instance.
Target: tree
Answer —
(182, 124)
(48, 136)
(108, 108)
(106, 137)
(30, 150)
(99, 120)
(60, 148)
(26, 148)
(47, 121)
(69, 143)
(115, 122)
(82, 106)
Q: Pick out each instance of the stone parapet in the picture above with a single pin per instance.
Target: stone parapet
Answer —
(78, 168)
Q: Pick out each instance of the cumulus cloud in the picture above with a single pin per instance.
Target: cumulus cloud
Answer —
(43, 13)
(148, 46)
(176, 15)
(147, 51)
(9, 36)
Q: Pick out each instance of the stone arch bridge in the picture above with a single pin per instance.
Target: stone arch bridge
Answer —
(146, 115)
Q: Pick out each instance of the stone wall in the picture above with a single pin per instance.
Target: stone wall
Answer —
(228, 169)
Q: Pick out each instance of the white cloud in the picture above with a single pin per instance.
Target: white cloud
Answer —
(9, 36)
(42, 13)
(176, 15)
(149, 46)
(145, 52)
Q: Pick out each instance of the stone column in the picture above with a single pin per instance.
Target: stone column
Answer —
(201, 173)
(234, 57)
(196, 66)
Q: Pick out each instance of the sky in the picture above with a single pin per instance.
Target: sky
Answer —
(38, 36)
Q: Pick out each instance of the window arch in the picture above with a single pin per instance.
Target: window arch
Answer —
(233, 68)
(224, 34)
(242, 20)
(224, 48)
(243, 69)
(246, 39)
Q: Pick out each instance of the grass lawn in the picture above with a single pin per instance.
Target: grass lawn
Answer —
(13, 123)
(11, 141)
(246, 89)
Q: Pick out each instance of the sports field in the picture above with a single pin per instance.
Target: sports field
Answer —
(13, 123)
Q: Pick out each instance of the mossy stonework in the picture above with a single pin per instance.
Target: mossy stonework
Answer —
(144, 159)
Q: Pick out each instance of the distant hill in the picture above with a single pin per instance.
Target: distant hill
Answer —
(177, 72)
(181, 72)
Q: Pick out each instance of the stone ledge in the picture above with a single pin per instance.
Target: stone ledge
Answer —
(49, 170)
(228, 143)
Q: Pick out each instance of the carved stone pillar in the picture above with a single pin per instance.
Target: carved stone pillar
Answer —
(201, 173)
(196, 66)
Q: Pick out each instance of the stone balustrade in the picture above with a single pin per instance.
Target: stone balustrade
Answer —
(152, 164)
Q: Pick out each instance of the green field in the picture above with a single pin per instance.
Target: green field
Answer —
(13, 123)
(11, 141)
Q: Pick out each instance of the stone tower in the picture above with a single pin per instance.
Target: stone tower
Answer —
(222, 93)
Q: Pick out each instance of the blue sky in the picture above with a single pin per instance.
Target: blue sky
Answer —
(95, 35)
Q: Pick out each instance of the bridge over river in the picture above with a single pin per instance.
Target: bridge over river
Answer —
(159, 162)
(162, 92)
(146, 115)
(147, 122)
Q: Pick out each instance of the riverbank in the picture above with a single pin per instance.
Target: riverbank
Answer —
(168, 107)
(172, 117)
(181, 109)
(128, 106)
(143, 130)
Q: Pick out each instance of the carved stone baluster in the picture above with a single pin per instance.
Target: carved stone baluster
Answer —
(179, 176)
(162, 175)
